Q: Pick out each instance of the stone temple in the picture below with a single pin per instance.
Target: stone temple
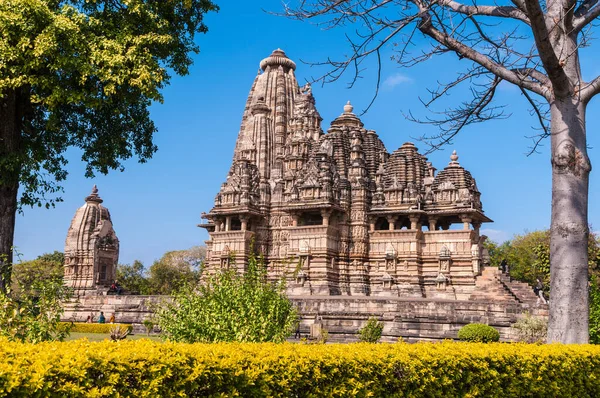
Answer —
(91, 248)
(356, 230)
(337, 212)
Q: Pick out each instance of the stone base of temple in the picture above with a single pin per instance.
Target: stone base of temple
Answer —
(411, 319)
(127, 308)
(496, 301)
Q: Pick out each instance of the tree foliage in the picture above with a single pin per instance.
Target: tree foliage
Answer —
(176, 269)
(33, 315)
(47, 267)
(166, 275)
(528, 256)
(82, 73)
(132, 278)
(595, 310)
(230, 307)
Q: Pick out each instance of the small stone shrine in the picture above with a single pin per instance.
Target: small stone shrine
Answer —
(336, 212)
(91, 248)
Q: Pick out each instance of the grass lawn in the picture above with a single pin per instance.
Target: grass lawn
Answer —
(104, 336)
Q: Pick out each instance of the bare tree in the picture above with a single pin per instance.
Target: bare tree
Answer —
(531, 44)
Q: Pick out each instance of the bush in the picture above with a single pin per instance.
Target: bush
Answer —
(594, 310)
(478, 332)
(531, 329)
(144, 368)
(95, 327)
(33, 313)
(371, 332)
(230, 307)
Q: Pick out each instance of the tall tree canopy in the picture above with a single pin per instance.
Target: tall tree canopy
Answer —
(82, 73)
(530, 43)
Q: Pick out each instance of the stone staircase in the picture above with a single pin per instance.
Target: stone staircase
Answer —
(493, 285)
(488, 287)
(521, 290)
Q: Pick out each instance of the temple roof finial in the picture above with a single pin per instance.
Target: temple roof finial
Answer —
(277, 58)
(348, 108)
(93, 197)
(454, 157)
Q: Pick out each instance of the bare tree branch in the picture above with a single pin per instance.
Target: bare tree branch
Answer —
(585, 19)
(491, 11)
(499, 70)
(556, 73)
(590, 90)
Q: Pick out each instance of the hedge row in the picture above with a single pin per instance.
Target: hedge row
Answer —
(144, 368)
(94, 327)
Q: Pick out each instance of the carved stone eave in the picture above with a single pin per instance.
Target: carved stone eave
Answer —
(397, 210)
(455, 214)
(305, 205)
(233, 211)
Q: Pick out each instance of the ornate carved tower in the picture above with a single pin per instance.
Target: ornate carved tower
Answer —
(336, 212)
(91, 248)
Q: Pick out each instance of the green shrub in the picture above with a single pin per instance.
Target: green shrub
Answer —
(371, 332)
(145, 368)
(531, 329)
(149, 325)
(230, 307)
(32, 314)
(95, 327)
(478, 332)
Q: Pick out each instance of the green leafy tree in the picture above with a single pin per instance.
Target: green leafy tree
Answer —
(528, 256)
(132, 278)
(34, 314)
(371, 332)
(47, 267)
(230, 307)
(82, 73)
(174, 270)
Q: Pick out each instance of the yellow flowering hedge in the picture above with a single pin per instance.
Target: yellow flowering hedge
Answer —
(94, 327)
(144, 368)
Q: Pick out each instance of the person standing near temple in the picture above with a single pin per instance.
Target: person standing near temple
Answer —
(539, 291)
(101, 319)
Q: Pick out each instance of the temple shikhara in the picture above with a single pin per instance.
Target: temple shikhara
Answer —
(335, 211)
(91, 249)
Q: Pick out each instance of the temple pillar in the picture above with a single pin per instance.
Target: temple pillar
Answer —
(244, 220)
(294, 220)
(325, 214)
(372, 223)
(392, 222)
(228, 223)
(466, 223)
(476, 226)
(432, 223)
(414, 222)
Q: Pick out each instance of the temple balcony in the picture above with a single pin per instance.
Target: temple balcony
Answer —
(313, 238)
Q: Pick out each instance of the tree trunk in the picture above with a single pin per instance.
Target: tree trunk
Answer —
(569, 319)
(10, 125)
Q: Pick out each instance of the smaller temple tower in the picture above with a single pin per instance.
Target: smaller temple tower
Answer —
(91, 248)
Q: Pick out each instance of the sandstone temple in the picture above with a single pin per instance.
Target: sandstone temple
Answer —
(335, 211)
(91, 248)
(357, 231)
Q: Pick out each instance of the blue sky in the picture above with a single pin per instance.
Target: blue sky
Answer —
(156, 206)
